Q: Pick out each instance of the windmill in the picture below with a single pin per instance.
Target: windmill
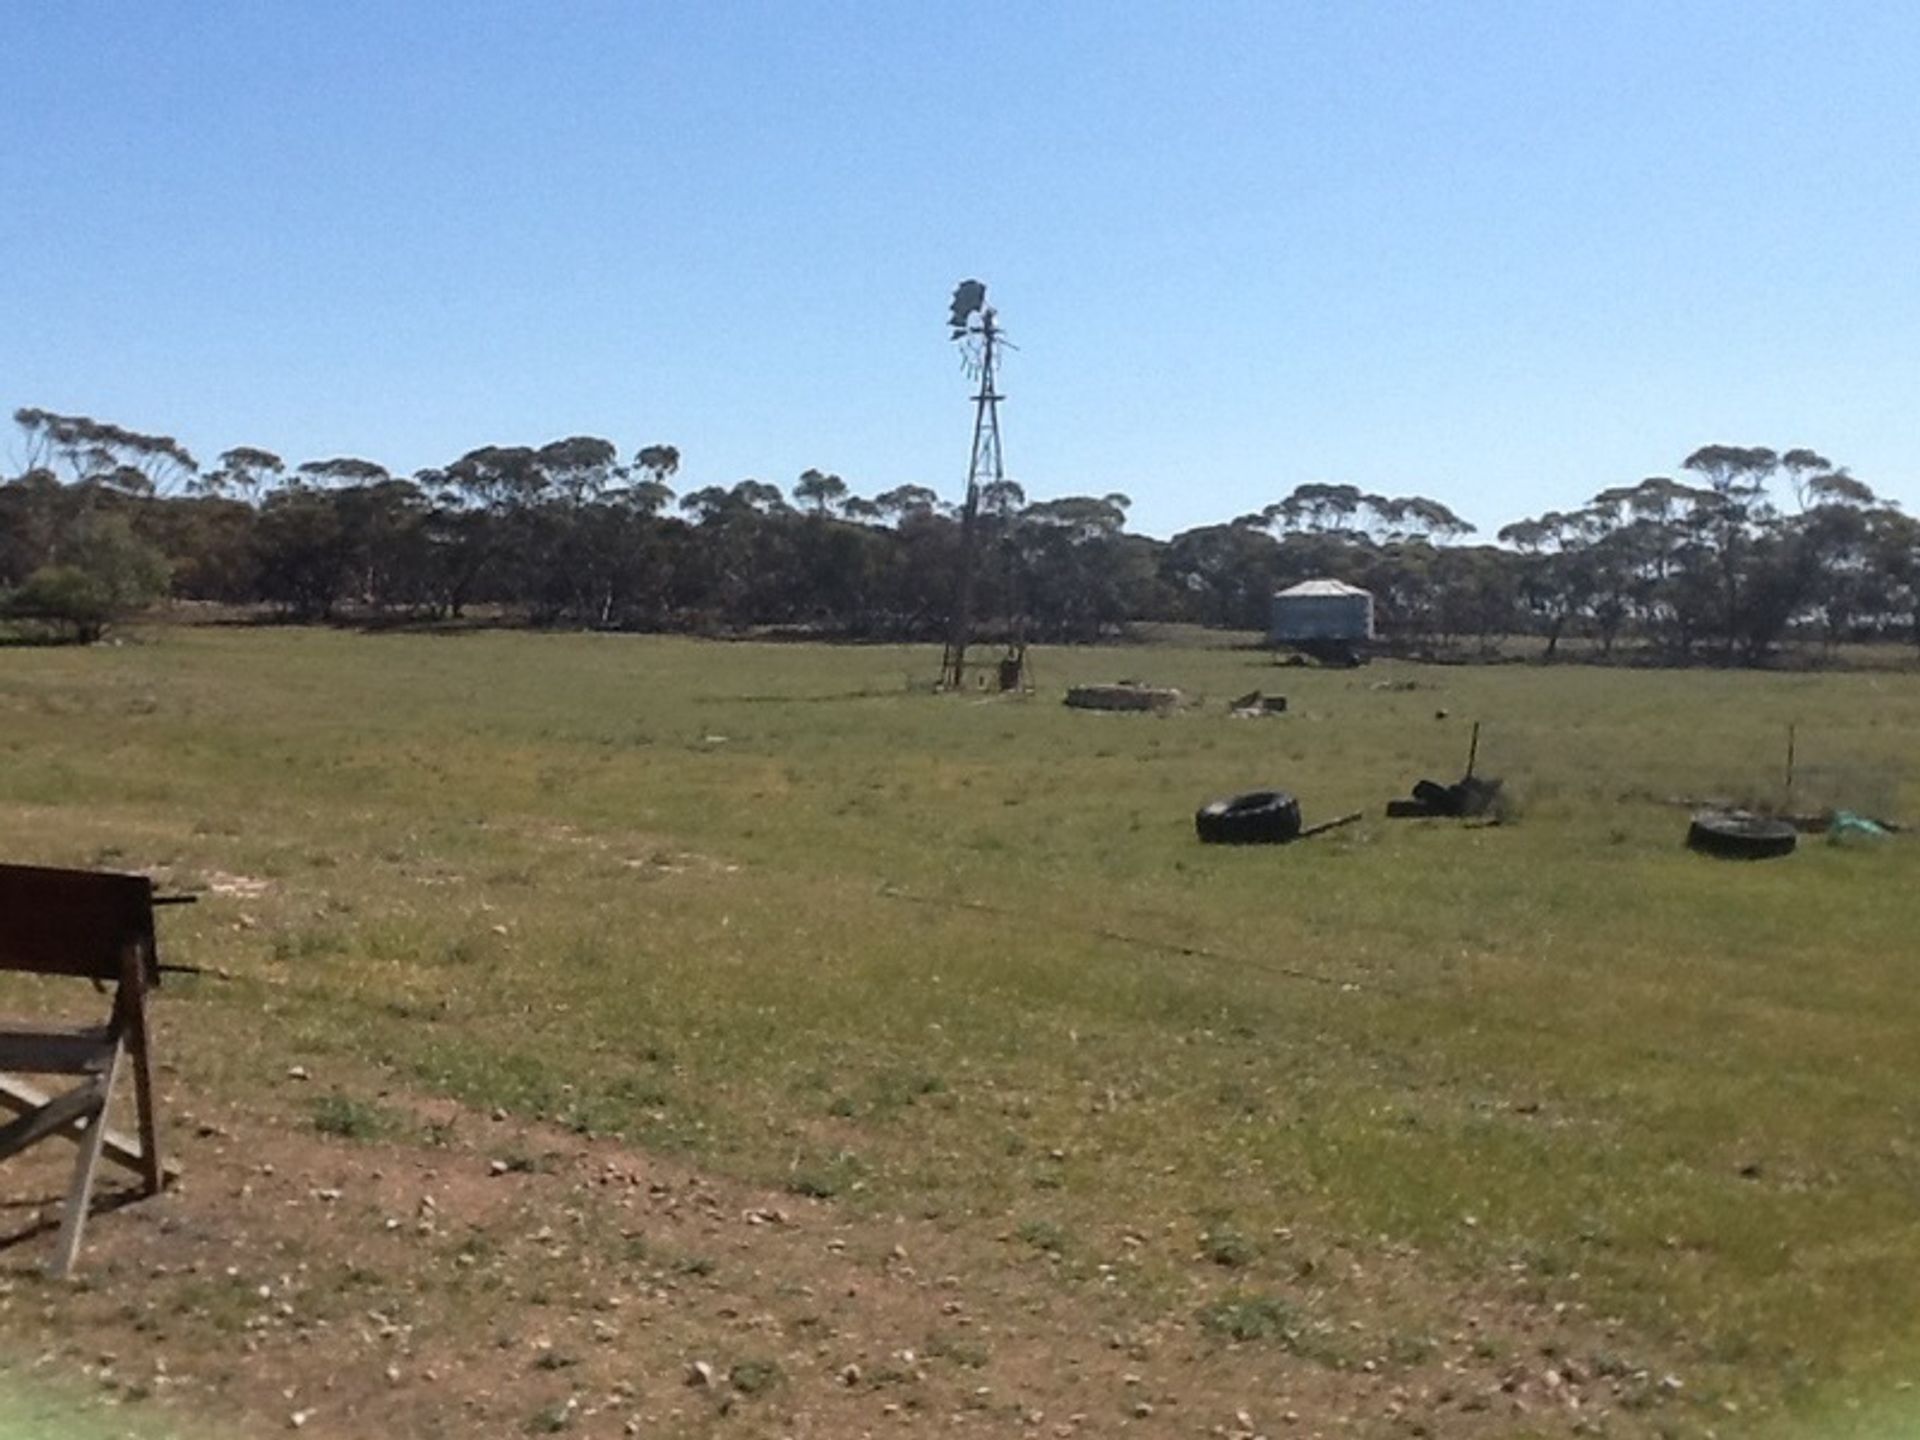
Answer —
(976, 329)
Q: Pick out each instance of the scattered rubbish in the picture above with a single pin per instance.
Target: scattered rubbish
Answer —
(1328, 654)
(1258, 817)
(1740, 835)
(1123, 695)
(243, 887)
(1846, 828)
(1256, 703)
(1468, 797)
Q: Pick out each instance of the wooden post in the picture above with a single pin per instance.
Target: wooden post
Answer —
(132, 997)
(1473, 749)
(73, 1219)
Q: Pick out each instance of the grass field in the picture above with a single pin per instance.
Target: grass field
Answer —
(774, 911)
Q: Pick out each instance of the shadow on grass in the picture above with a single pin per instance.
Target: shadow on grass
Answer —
(43, 1213)
(17, 641)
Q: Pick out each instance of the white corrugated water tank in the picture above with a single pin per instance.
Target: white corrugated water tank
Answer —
(1321, 610)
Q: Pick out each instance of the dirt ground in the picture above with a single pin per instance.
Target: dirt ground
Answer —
(500, 1278)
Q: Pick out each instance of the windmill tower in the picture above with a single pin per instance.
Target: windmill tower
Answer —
(976, 329)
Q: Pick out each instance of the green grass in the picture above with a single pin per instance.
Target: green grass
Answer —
(346, 1118)
(754, 1376)
(31, 1408)
(772, 907)
(1244, 1318)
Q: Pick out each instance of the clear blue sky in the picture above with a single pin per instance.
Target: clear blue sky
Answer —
(1504, 254)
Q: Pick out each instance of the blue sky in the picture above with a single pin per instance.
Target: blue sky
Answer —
(1504, 254)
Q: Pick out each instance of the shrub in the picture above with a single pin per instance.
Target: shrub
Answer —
(105, 573)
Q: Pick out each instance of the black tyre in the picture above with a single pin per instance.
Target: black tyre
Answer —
(1740, 837)
(1259, 817)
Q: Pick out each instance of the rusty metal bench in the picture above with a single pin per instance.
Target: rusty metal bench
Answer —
(96, 926)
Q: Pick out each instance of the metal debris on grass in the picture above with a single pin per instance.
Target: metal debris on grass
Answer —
(1255, 704)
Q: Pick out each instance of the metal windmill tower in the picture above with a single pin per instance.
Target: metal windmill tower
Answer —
(976, 328)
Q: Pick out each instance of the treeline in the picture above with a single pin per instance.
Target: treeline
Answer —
(1753, 549)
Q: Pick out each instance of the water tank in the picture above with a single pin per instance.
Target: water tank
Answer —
(1319, 610)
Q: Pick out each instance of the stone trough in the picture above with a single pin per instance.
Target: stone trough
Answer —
(1126, 695)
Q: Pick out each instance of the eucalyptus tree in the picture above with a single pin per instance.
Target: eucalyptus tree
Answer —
(1419, 518)
(1070, 570)
(740, 545)
(1317, 506)
(99, 453)
(759, 498)
(1837, 536)
(244, 473)
(1728, 516)
(1895, 549)
(904, 500)
(820, 490)
(305, 552)
(580, 469)
(34, 511)
(342, 471)
(655, 465)
(386, 538)
(1001, 499)
(707, 504)
(341, 525)
(1475, 592)
(1224, 574)
(1802, 467)
(566, 544)
(1553, 579)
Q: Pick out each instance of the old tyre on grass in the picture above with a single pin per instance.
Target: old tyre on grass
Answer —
(1734, 836)
(1259, 817)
